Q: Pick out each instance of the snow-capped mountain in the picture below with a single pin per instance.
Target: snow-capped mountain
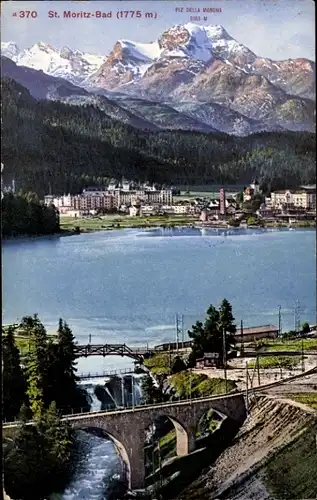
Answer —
(187, 67)
(73, 65)
(9, 49)
(177, 66)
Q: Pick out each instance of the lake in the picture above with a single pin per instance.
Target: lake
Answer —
(128, 285)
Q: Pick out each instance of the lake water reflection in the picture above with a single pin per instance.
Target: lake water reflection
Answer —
(128, 285)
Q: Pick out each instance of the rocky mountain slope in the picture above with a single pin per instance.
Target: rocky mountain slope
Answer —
(207, 79)
(40, 85)
(139, 113)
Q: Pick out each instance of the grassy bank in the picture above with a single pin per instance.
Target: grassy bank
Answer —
(188, 384)
(115, 221)
(110, 222)
(306, 398)
(288, 362)
(159, 364)
(288, 345)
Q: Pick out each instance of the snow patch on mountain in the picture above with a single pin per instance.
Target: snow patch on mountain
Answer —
(142, 51)
(9, 49)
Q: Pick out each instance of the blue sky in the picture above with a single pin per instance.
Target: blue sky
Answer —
(279, 29)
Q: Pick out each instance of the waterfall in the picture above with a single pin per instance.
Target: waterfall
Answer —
(95, 404)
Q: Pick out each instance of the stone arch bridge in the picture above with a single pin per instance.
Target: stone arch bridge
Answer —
(127, 428)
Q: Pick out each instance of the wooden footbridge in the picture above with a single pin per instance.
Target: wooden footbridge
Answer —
(136, 353)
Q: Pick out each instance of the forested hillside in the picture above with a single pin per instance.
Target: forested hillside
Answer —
(68, 147)
(24, 214)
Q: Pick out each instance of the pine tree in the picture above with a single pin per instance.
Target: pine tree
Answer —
(209, 337)
(66, 352)
(37, 369)
(227, 322)
(13, 379)
(65, 368)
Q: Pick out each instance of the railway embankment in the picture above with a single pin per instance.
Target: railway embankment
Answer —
(273, 455)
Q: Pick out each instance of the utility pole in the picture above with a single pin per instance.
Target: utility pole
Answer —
(297, 317)
(178, 331)
(89, 341)
(182, 331)
(122, 391)
(241, 331)
(303, 357)
(279, 321)
(224, 356)
(132, 386)
(258, 368)
(247, 387)
(170, 359)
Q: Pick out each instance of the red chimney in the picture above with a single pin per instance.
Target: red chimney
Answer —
(222, 202)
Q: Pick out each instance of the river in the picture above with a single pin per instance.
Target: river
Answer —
(128, 285)
(100, 463)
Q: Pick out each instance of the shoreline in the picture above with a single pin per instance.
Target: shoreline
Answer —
(64, 233)
(22, 237)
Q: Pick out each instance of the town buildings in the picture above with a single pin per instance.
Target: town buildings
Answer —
(281, 206)
(113, 197)
(250, 191)
(304, 198)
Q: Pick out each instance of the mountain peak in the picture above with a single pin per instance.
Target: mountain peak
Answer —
(45, 47)
(9, 49)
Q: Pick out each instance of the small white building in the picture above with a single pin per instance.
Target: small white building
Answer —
(134, 211)
(72, 213)
(148, 210)
(112, 185)
(181, 209)
(126, 185)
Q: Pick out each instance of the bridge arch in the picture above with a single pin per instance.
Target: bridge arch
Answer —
(120, 447)
(185, 441)
(207, 421)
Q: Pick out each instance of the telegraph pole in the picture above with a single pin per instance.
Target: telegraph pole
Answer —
(247, 387)
(178, 331)
(258, 368)
(132, 386)
(182, 331)
(297, 317)
(224, 356)
(122, 391)
(241, 331)
(279, 321)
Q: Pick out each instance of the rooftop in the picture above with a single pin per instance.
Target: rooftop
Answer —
(258, 329)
